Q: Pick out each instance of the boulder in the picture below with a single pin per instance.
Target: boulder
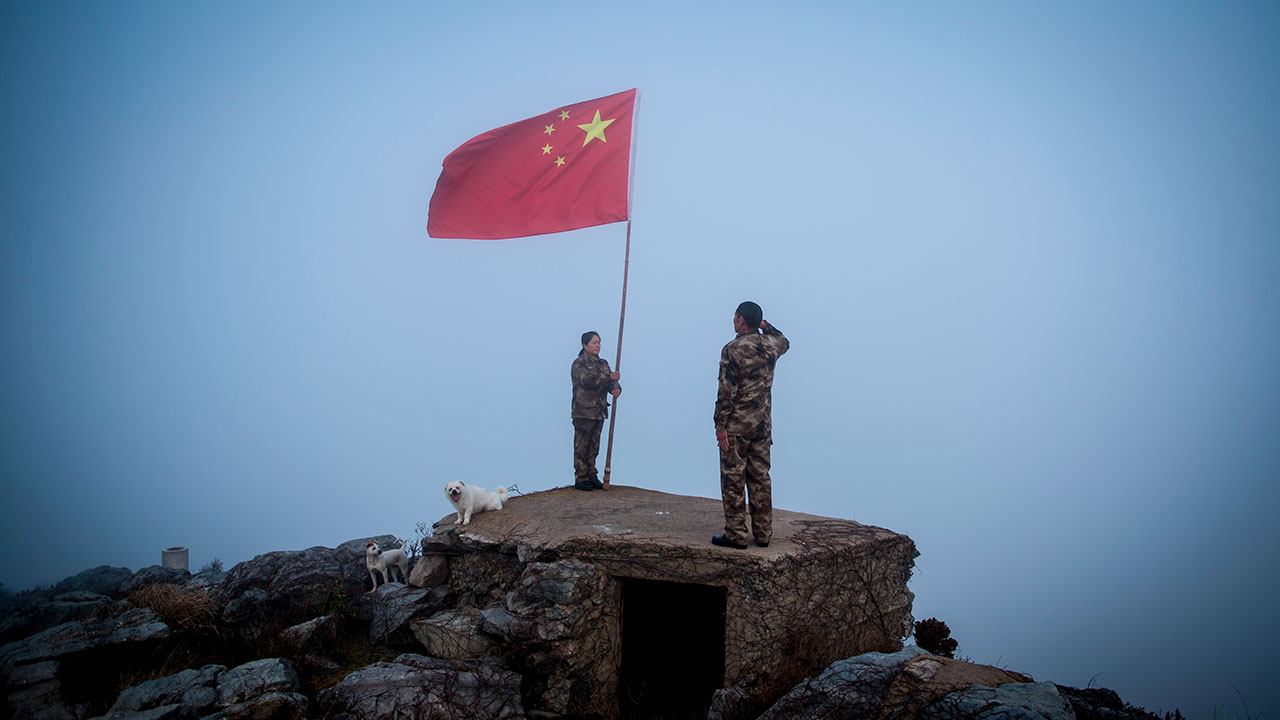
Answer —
(425, 688)
(311, 636)
(264, 689)
(429, 571)
(391, 608)
(269, 675)
(453, 634)
(35, 691)
(133, 629)
(196, 690)
(103, 580)
(153, 574)
(1013, 701)
(271, 706)
(854, 687)
(282, 588)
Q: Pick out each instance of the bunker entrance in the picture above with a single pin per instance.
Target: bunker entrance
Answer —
(672, 648)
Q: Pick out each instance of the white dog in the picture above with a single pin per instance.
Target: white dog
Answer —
(469, 500)
(384, 560)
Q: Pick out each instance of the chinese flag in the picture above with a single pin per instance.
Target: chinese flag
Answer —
(565, 169)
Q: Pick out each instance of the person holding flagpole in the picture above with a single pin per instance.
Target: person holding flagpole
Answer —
(593, 382)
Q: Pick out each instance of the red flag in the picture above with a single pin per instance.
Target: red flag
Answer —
(566, 169)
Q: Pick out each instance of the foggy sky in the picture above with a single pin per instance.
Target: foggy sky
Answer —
(1026, 257)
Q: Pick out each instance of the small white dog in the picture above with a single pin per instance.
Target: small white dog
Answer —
(469, 500)
(383, 561)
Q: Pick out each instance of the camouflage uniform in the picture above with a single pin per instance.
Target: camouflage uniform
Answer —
(591, 388)
(743, 407)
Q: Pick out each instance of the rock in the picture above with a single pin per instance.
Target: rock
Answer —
(393, 606)
(854, 687)
(733, 703)
(453, 634)
(153, 574)
(131, 629)
(204, 580)
(103, 580)
(286, 587)
(269, 675)
(195, 690)
(36, 692)
(430, 571)
(425, 688)
(1095, 703)
(312, 635)
(1014, 701)
(271, 706)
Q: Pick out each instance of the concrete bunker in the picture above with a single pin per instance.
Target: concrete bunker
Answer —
(579, 591)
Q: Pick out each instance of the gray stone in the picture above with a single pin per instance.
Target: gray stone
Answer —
(453, 634)
(134, 628)
(162, 712)
(291, 586)
(1014, 701)
(425, 688)
(103, 580)
(312, 635)
(270, 706)
(269, 675)
(854, 687)
(193, 689)
(393, 606)
(429, 571)
(152, 575)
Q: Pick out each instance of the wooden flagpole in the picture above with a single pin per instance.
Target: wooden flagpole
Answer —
(626, 265)
(617, 365)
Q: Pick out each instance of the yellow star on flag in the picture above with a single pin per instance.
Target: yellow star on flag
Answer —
(595, 129)
(560, 161)
(546, 149)
(564, 114)
(550, 129)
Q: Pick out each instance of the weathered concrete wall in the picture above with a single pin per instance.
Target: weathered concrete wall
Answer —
(548, 573)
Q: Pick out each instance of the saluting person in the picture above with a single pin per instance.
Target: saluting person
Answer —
(744, 426)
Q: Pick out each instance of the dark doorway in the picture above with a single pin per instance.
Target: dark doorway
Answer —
(672, 648)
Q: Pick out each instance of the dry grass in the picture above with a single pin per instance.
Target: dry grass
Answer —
(184, 611)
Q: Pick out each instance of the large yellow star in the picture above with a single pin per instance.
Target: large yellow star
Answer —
(595, 129)
(546, 149)
(559, 161)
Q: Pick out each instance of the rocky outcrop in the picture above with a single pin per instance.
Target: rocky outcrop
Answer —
(428, 688)
(260, 690)
(264, 595)
(137, 627)
(391, 608)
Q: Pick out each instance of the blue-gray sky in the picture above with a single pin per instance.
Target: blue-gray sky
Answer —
(1027, 255)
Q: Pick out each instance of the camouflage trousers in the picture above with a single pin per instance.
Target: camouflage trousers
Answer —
(744, 471)
(586, 447)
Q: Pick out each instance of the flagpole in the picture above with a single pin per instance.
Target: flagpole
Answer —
(617, 365)
(626, 266)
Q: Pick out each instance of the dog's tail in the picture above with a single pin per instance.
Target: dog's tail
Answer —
(502, 493)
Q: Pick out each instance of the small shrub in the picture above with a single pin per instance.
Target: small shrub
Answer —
(337, 604)
(214, 565)
(933, 636)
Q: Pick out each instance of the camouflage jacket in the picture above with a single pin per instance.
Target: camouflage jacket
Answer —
(591, 387)
(743, 405)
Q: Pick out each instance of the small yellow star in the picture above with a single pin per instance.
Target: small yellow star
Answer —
(595, 129)
(564, 114)
(550, 129)
(546, 149)
(559, 161)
